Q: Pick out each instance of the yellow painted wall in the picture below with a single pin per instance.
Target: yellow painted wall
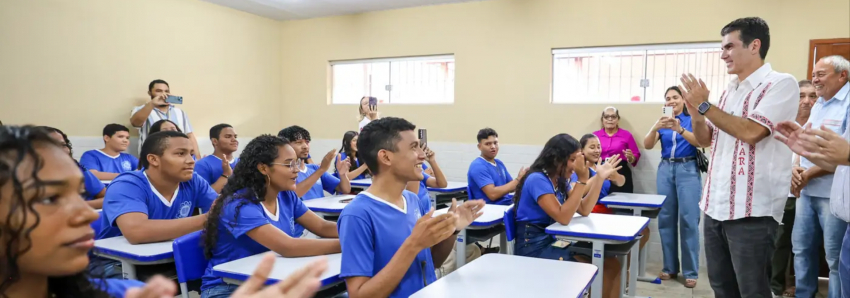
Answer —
(80, 64)
(503, 55)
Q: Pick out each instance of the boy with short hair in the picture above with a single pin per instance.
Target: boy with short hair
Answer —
(110, 161)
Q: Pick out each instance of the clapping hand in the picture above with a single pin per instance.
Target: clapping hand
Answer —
(580, 168)
(326, 161)
(225, 166)
(302, 284)
(430, 230)
(694, 91)
(342, 165)
(466, 213)
(605, 170)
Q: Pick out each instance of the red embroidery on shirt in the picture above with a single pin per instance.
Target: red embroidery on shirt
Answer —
(739, 156)
(751, 173)
(722, 104)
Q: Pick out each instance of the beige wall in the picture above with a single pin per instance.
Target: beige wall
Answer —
(79, 64)
(502, 50)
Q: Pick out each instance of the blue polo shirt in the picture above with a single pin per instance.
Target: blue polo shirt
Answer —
(209, 168)
(325, 183)
(354, 166)
(132, 192)
(674, 145)
(99, 161)
(535, 186)
(233, 242)
(831, 113)
(482, 173)
(92, 184)
(371, 230)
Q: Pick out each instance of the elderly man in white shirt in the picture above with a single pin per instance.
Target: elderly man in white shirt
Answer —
(748, 178)
(828, 149)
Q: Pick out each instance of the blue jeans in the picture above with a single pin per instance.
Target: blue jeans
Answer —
(680, 182)
(814, 223)
(532, 241)
(844, 271)
(219, 291)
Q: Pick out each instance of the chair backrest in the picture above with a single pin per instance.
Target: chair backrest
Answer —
(97, 225)
(189, 257)
(510, 223)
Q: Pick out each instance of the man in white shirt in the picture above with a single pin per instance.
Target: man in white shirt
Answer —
(748, 178)
(828, 149)
(157, 109)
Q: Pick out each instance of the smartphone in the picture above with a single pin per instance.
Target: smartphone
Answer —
(173, 99)
(667, 111)
(423, 137)
(373, 103)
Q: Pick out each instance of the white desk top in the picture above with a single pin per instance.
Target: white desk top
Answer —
(120, 247)
(241, 269)
(329, 204)
(105, 181)
(498, 275)
(601, 226)
(620, 199)
(493, 214)
(451, 187)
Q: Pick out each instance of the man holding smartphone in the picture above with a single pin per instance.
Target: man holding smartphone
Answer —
(157, 109)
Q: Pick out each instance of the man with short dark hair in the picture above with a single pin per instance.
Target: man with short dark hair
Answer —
(156, 109)
(217, 167)
(747, 183)
(110, 161)
(488, 177)
(390, 241)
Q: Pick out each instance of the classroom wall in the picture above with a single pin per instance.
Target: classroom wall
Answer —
(80, 64)
(502, 52)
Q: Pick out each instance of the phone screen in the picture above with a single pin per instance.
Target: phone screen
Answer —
(373, 101)
(423, 137)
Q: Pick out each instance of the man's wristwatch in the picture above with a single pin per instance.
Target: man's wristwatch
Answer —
(703, 108)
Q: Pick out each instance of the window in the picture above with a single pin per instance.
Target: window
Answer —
(633, 73)
(413, 80)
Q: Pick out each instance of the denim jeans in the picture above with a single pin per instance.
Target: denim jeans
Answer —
(219, 291)
(813, 225)
(679, 216)
(844, 271)
(532, 241)
(738, 254)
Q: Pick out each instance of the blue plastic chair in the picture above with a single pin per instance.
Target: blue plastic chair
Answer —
(510, 228)
(189, 260)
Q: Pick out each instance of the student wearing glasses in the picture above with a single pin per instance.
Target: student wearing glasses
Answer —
(257, 211)
(616, 140)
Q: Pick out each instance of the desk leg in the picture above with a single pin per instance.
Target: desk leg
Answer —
(460, 249)
(599, 261)
(128, 270)
(633, 267)
(503, 243)
(642, 276)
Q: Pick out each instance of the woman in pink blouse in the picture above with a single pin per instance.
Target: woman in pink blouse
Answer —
(615, 140)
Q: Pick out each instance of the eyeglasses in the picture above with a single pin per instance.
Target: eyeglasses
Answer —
(294, 165)
(610, 117)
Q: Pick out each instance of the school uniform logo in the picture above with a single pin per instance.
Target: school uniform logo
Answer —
(126, 165)
(185, 209)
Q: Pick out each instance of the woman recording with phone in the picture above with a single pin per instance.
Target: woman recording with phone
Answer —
(679, 180)
(368, 110)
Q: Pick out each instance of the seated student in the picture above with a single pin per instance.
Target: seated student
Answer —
(348, 152)
(49, 250)
(592, 149)
(164, 125)
(217, 167)
(94, 189)
(390, 241)
(256, 212)
(488, 177)
(542, 198)
(155, 204)
(110, 161)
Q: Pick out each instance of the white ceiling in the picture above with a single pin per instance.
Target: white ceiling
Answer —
(305, 9)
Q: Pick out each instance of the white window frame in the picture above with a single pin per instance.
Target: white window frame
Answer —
(582, 52)
(390, 61)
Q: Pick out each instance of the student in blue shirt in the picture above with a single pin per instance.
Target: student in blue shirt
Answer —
(348, 152)
(314, 180)
(155, 204)
(94, 190)
(592, 150)
(488, 177)
(542, 199)
(258, 213)
(390, 241)
(216, 168)
(52, 260)
(110, 161)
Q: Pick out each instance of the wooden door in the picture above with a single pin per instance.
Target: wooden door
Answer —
(819, 48)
